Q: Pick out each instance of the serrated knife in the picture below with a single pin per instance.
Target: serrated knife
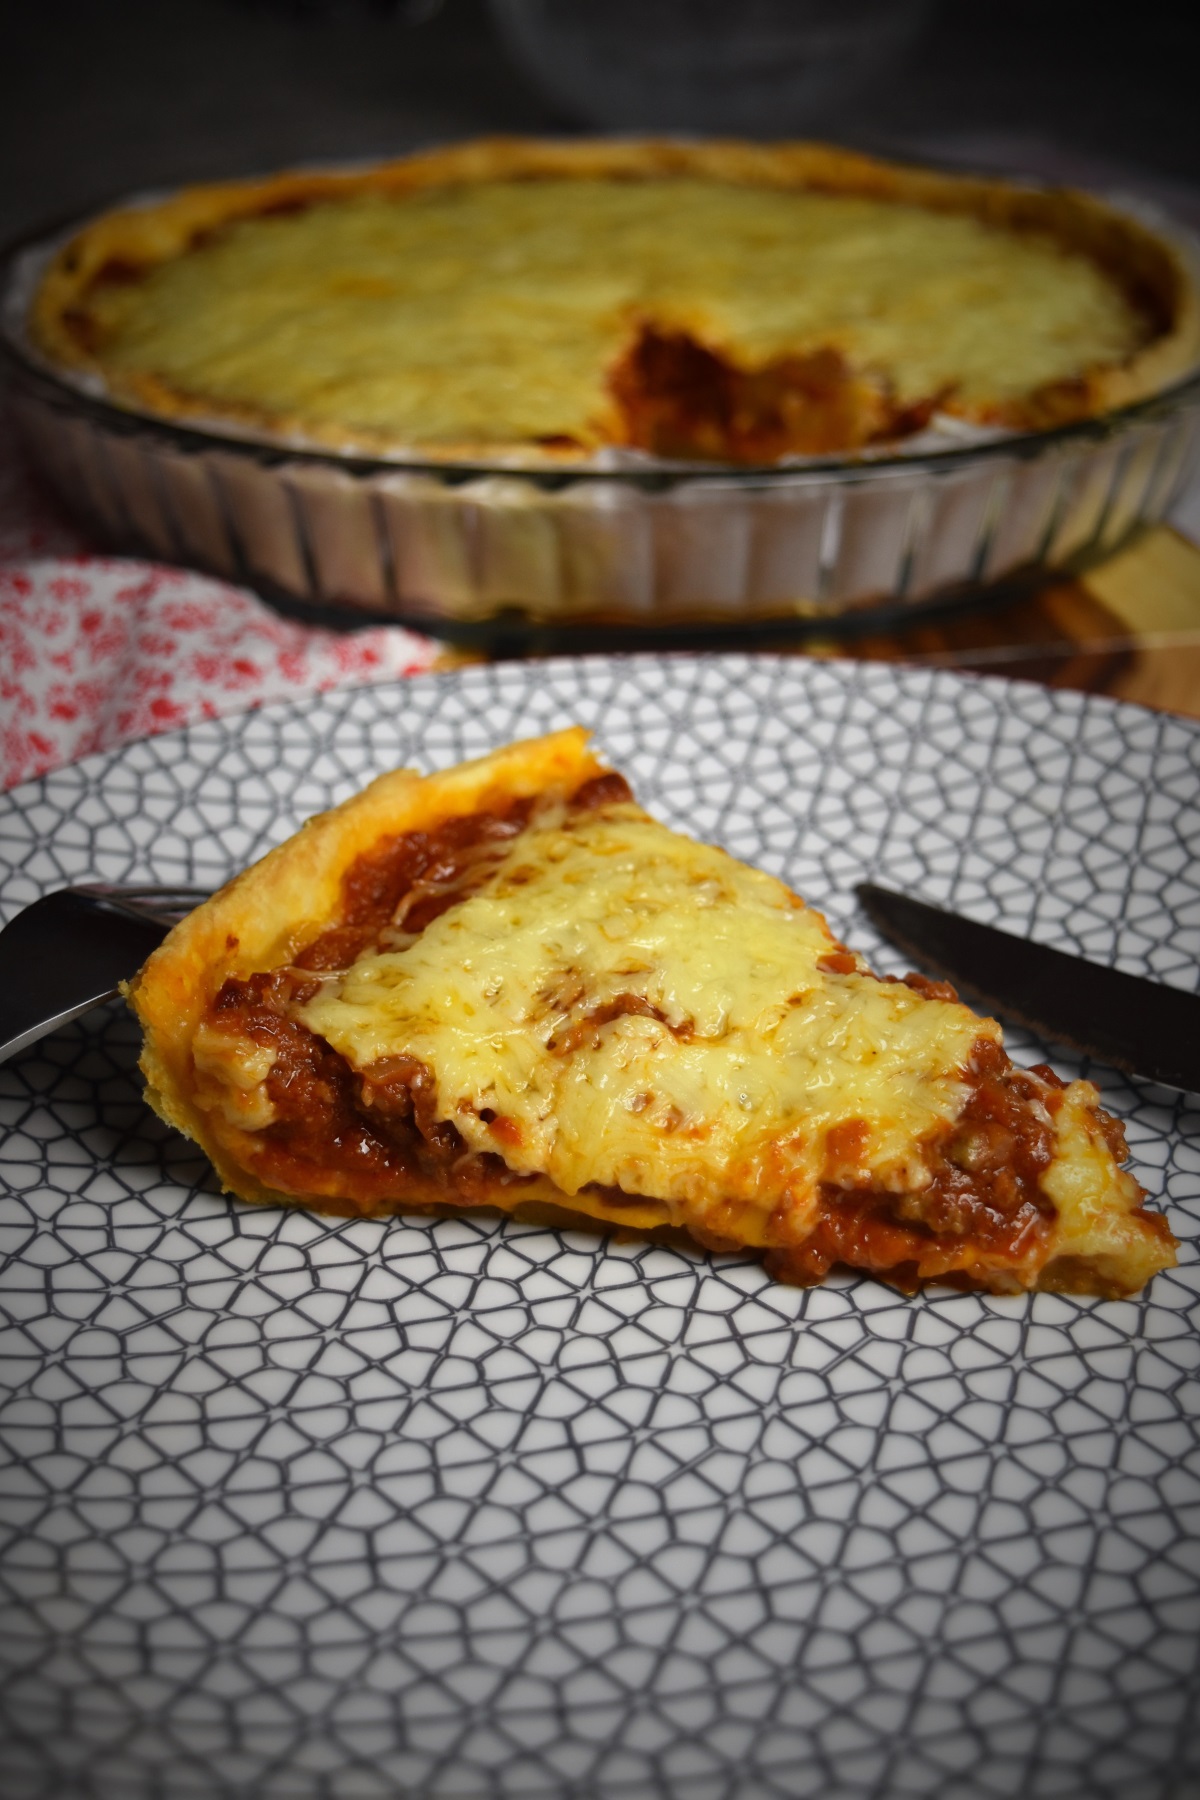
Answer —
(1128, 1021)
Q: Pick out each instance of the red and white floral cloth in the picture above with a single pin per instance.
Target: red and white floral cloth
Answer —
(97, 650)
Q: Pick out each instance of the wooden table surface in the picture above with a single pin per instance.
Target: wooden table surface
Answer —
(1129, 628)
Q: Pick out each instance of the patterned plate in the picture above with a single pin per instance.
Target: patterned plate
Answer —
(301, 1509)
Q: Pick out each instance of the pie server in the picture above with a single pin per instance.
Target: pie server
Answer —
(71, 950)
(1131, 1023)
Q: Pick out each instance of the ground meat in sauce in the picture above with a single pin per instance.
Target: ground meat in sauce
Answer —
(987, 1171)
(679, 398)
(931, 990)
(431, 871)
(840, 961)
(318, 1123)
(436, 862)
(985, 1196)
(378, 1132)
(863, 1232)
(601, 790)
(587, 1029)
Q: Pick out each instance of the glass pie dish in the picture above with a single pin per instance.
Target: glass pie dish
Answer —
(626, 545)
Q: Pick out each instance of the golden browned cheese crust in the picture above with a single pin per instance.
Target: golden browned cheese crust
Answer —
(712, 369)
(507, 985)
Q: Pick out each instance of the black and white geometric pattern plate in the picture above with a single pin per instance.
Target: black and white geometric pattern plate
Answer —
(301, 1509)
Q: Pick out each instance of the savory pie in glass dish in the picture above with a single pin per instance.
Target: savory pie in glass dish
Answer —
(634, 382)
(721, 301)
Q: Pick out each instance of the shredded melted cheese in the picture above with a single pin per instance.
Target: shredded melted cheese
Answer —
(620, 1005)
(494, 312)
(231, 1077)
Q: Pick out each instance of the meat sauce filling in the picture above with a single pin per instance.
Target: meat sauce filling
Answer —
(680, 399)
(377, 1133)
(984, 1195)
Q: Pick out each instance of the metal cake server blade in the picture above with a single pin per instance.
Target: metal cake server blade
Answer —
(1128, 1021)
(70, 950)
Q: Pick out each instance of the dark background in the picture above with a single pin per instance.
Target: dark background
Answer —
(98, 97)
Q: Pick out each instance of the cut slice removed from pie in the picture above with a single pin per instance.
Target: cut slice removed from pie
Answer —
(507, 985)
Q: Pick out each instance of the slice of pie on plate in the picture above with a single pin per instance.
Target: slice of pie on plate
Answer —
(506, 985)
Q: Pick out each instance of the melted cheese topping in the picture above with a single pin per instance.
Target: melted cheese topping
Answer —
(494, 312)
(231, 1077)
(620, 1005)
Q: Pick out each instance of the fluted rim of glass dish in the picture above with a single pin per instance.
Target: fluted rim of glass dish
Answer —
(655, 475)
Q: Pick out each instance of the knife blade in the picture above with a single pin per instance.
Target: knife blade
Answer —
(1128, 1021)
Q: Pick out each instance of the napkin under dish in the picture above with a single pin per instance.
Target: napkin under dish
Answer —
(97, 650)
